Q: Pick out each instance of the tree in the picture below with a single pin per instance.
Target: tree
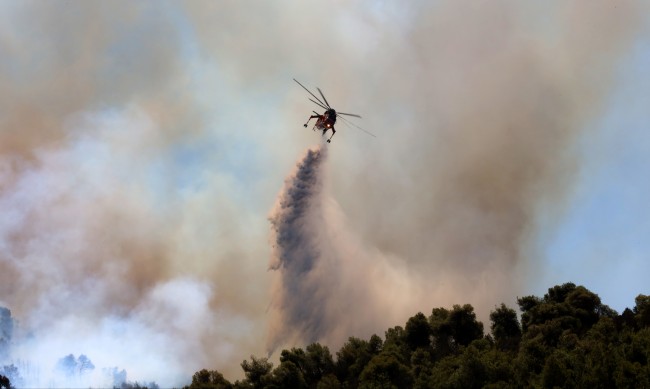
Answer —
(257, 371)
(505, 328)
(559, 371)
(642, 310)
(586, 307)
(559, 293)
(296, 356)
(385, 371)
(375, 344)
(418, 332)
(67, 365)
(421, 365)
(288, 375)
(75, 367)
(441, 332)
(531, 358)
(84, 365)
(465, 370)
(565, 307)
(601, 355)
(352, 358)
(313, 364)
(397, 343)
(395, 336)
(626, 319)
(464, 326)
(329, 382)
(4, 382)
(12, 374)
(631, 375)
(320, 363)
(209, 379)
(527, 304)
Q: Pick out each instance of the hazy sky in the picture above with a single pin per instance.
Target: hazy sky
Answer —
(143, 146)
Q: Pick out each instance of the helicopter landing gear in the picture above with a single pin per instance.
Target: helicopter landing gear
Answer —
(311, 117)
(333, 132)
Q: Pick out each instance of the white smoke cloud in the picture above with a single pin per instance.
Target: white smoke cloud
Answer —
(85, 241)
(160, 337)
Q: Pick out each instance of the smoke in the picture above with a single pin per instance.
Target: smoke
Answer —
(92, 260)
(479, 109)
(122, 215)
(480, 113)
(323, 271)
(141, 147)
(298, 232)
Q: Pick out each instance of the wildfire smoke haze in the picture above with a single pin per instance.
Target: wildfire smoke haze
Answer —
(142, 147)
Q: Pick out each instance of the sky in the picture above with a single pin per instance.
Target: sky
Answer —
(145, 148)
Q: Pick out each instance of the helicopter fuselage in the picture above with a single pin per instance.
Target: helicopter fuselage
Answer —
(327, 120)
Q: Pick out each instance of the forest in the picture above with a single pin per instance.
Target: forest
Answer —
(566, 339)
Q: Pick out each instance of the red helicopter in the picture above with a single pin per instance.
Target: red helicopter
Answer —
(326, 121)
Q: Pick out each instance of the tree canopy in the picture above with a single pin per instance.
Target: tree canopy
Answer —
(566, 338)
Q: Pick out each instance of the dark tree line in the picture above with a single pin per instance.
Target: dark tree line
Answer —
(567, 339)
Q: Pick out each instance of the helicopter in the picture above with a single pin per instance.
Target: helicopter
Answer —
(326, 121)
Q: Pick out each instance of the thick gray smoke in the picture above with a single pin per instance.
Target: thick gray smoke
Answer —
(328, 284)
(298, 233)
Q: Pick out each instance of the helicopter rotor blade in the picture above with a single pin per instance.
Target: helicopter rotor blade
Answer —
(349, 114)
(319, 104)
(354, 125)
(308, 91)
(323, 96)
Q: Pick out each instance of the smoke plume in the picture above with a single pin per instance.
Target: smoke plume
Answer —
(323, 271)
(298, 232)
(142, 146)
